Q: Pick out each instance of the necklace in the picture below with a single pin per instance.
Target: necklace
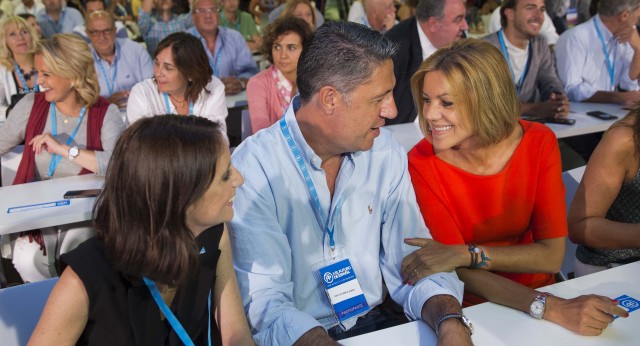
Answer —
(180, 103)
(28, 75)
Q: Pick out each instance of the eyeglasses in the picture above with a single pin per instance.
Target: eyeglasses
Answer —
(97, 33)
(205, 11)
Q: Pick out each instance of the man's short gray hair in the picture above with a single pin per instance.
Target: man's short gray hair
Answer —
(615, 7)
(342, 55)
(430, 8)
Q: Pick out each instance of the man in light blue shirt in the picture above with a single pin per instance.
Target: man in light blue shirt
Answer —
(228, 53)
(56, 18)
(327, 181)
(120, 63)
(587, 72)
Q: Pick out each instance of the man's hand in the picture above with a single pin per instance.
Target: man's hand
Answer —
(315, 337)
(120, 99)
(629, 34)
(585, 315)
(232, 85)
(389, 21)
(556, 106)
(628, 98)
(433, 257)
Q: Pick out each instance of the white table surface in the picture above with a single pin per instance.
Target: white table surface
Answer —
(498, 325)
(78, 210)
(409, 134)
(237, 100)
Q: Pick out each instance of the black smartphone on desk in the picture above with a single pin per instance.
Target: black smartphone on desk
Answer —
(81, 193)
(602, 115)
(561, 121)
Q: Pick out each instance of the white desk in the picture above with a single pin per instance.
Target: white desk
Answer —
(43, 192)
(409, 134)
(498, 325)
(237, 100)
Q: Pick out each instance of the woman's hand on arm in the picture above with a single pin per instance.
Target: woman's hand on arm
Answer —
(432, 257)
(612, 162)
(46, 141)
(229, 313)
(65, 315)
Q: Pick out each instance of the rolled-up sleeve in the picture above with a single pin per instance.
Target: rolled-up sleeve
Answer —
(570, 60)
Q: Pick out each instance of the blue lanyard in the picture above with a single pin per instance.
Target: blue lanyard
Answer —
(57, 27)
(611, 67)
(168, 107)
(216, 67)
(111, 84)
(173, 320)
(55, 158)
(329, 225)
(503, 47)
(23, 81)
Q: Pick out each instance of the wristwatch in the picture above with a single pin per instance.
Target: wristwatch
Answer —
(465, 321)
(536, 310)
(73, 152)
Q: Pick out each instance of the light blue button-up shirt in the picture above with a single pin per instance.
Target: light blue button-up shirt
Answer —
(582, 65)
(276, 237)
(69, 19)
(131, 65)
(235, 57)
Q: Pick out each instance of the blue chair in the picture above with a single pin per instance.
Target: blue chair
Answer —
(20, 310)
(571, 180)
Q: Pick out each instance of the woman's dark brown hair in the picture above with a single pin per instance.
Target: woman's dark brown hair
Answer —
(280, 27)
(190, 59)
(160, 166)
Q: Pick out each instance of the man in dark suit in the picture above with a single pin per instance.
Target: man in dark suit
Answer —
(436, 24)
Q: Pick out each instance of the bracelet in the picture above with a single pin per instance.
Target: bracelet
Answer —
(473, 251)
(465, 321)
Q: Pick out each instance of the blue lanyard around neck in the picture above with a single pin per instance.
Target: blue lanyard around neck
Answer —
(611, 67)
(55, 158)
(329, 225)
(216, 66)
(168, 107)
(23, 81)
(57, 28)
(111, 83)
(503, 47)
(173, 320)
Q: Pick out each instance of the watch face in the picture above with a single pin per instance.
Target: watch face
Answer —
(537, 308)
(74, 151)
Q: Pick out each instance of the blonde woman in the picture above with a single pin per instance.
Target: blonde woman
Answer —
(18, 76)
(68, 129)
(489, 187)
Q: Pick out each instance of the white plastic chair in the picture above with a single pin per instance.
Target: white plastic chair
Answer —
(20, 310)
(571, 181)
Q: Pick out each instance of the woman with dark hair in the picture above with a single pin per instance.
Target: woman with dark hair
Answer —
(270, 91)
(489, 186)
(68, 129)
(183, 83)
(161, 260)
(604, 218)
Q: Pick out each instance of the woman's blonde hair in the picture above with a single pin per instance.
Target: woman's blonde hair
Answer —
(6, 56)
(68, 56)
(478, 79)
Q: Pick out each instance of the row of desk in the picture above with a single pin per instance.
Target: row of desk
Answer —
(498, 325)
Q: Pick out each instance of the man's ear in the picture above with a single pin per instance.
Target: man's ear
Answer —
(328, 98)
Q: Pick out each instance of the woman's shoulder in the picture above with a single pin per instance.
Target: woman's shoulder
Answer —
(421, 151)
(260, 79)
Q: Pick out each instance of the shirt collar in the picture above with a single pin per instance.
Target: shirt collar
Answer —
(307, 152)
(427, 46)
(606, 34)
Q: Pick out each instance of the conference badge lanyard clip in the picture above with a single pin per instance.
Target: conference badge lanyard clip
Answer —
(335, 276)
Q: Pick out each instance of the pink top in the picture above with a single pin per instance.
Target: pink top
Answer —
(266, 103)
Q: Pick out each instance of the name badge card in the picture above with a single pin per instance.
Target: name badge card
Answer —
(628, 303)
(343, 289)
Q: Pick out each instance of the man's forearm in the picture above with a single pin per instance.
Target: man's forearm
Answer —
(315, 337)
